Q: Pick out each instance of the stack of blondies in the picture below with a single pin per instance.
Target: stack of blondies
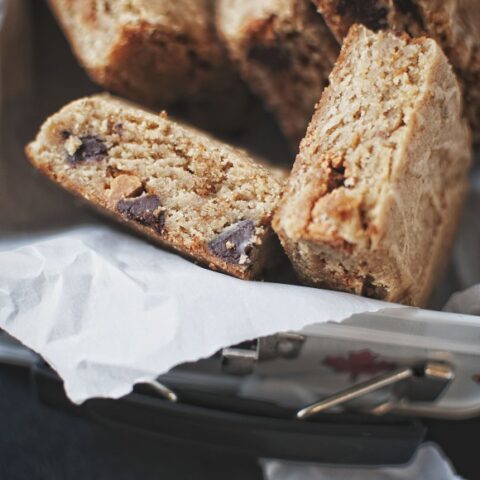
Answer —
(380, 98)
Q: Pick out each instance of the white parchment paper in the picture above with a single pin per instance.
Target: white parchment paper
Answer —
(106, 309)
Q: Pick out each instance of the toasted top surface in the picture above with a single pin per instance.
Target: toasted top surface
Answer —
(178, 14)
(456, 25)
(235, 15)
(96, 25)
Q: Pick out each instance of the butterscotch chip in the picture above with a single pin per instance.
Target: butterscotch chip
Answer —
(124, 186)
(454, 24)
(285, 53)
(377, 188)
(72, 146)
(174, 184)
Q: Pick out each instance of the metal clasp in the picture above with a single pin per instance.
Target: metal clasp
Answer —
(162, 390)
(241, 359)
(423, 383)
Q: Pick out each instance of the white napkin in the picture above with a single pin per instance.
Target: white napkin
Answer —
(429, 463)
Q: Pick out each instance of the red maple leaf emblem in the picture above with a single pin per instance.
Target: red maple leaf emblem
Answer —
(363, 362)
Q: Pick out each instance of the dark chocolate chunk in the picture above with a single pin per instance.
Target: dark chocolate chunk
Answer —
(144, 210)
(410, 8)
(118, 128)
(183, 38)
(92, 148)
(336, 178)
(235, 243)
(198, 61)
(65, 134)
(372, 290)
(270, 56)
(367, 12)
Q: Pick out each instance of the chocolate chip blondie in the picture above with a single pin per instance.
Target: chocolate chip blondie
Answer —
(373, 200)
(156, 52)
(454, 24)
(174, 184)
(284, 51)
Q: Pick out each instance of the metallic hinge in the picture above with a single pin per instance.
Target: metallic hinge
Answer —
(422, 383)
(241, 359)
(161, 390)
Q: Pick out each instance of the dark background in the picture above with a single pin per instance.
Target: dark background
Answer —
(38, 442)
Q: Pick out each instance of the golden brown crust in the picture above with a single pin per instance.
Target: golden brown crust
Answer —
(373, 200)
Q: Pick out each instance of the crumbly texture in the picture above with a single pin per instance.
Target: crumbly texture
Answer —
(156, 52)
(284, 51)
(178, 186)
(454, 24)
(372, 203)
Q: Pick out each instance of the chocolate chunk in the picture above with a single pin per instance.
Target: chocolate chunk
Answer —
(198, 61)
(144, 210)
(367, 12)
(372, 290)
(271, 56)
(234, 244)
(118, 128)
(92, 148)
(410, 8)
(65, 134)
(336, 178)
